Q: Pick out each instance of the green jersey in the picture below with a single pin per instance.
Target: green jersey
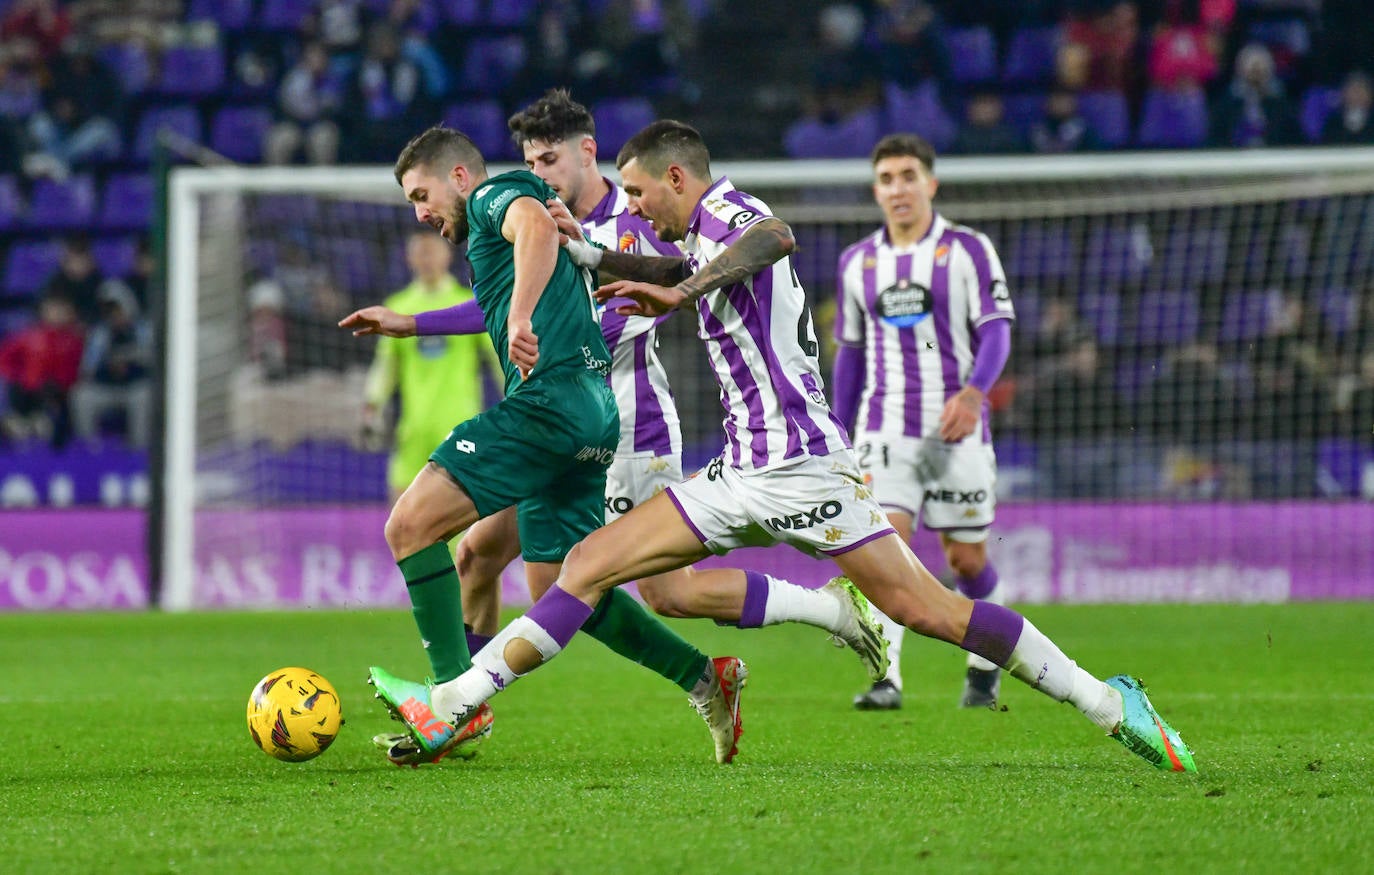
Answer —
(564, 320)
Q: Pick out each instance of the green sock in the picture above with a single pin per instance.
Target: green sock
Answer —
(622, 624)
(436, 600)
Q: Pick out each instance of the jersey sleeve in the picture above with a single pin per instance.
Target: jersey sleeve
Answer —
(728, 219)
(849, 317)
(487, 208)
(986, 283)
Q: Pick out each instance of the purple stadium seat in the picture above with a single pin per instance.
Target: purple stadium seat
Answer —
(62, 205)
(1173, 119)
(1244, 316)
(181, 119)
(1108, 115)
(29, 265)
(12, 206)
(1116, 253)
(1193, 255)
(974, 54)
(129, 64)
(1021, 111)
(485, 122)
(618, 120)
(464, 13)
(1030, 56)
(852, 137)
(114, 256)
(1101, 311)
(127, 204)
(511, 13)
(228, 14)
(491, 63)
(192, 71)
(1338, 307)
(919, 109)
(1166, 318)
(237, 132)
(1318, 102)
(284, 14)
(354, 265)
(1038, 253)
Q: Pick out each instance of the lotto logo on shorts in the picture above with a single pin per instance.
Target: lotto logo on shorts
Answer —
(813, 517)
(465, 446)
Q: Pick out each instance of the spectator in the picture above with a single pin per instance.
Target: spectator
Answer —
(549, 58)
(76, 124)
(308, 105)
(1063, 129)
(1183, 52)
(1072, 67)
(1075, 399)
(1291, 397)
(1111, 37)
(384, 105)
(985, 130)
(313, 341)
(911, 48)
(1191, 403)
(115, 369)
(1350, 124)
(267, 327)
(1360, 410)
(140, 282)
(40, 363)
(339, 26)
(77, 278)
(646, 39)
(34, 30)
(1254, 111)
(840, 57)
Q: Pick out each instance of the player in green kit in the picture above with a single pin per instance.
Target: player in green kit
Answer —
(438, 379)
(543, 449)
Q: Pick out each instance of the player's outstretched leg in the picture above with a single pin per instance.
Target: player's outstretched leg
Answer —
(895, 579)
(982, 679)
(428, 739)
(720, 707)
(859, 629)
(886, 692)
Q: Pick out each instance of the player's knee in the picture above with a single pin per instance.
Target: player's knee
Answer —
(965, 560)
(659, 598)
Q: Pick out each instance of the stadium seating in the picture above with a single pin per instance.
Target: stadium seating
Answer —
(1318, 102)
(491, 64)
(114, 256)
(920, 111)
(67, 205)
(1173, 119)
(237, 132)
(232, 15)
(192, 72)
(127, 202)
(28, 266)
(1244, 316)
(182, 119)
(1030, 56)
(619, 119)
(129, 64)
(974, 51)
(1165, 318)
(1108, 115)
(12, 205)
(485, 122)
(284, 15)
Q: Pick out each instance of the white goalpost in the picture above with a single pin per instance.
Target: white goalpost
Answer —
(1173, 267)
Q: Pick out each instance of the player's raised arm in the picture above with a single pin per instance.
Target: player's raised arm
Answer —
(534, 236)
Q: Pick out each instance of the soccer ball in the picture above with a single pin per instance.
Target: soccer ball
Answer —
(294, 714)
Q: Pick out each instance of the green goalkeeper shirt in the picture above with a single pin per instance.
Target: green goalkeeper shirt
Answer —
(564, 320)
(439, 378)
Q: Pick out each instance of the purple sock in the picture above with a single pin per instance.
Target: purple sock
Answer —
(755, 599)
(980, 585)
(559, 613)
(992, 632)
(476, 641)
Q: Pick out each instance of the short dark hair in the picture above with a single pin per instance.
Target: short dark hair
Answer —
(667, 142)
(905, 145)
(553, 118)
(440, 146)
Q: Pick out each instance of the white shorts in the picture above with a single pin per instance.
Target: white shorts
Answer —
(633, 480)
(949, 488)
(818, 504)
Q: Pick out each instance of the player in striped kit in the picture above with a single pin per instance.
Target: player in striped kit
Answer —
(924, 329)
(787, 474)
(557, 136)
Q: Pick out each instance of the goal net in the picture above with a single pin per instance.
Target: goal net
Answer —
(1185, 415)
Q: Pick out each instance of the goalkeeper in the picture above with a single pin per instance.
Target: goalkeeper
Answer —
(438, 379)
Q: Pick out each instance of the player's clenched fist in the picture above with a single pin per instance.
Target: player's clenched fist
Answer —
(523, 346)
(379, 320)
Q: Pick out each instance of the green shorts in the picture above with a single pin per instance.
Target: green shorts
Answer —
(544, 449)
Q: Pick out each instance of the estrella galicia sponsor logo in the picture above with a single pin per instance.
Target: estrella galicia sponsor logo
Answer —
(814, 516)
(600, 455)
(903, 304)
(955, 496)
(431, 346)
(619, 504)
(740, 219)
(714, 468)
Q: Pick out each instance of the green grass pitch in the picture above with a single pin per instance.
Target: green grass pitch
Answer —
(125, 750)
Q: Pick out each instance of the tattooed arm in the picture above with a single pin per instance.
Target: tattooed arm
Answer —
(757, 248)
(661, 270)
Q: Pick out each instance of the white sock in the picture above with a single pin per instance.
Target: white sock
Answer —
(1037, 661)
(490, 672)
(894, 632)
(788, 602)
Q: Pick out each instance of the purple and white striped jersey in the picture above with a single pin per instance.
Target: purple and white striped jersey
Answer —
(761, 343)
(914, 310)
(648, 415)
